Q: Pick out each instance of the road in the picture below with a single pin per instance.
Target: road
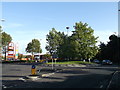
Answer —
(67, 77)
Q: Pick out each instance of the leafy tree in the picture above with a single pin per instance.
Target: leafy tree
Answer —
(53, 42)
(62, 49)
(83, 42)
(102, 51)
(47, 56)
(111, 49)
(20, 56)
(6, 38)
(33, 47)
(80, 45)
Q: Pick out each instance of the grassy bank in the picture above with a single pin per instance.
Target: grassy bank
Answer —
(71, 62)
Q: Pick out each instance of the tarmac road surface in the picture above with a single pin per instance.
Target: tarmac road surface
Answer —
(64, 77)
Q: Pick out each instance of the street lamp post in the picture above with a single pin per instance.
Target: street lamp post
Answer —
(67, 30)
(119, 23)
(0, 43)
(2, 20)
(39, 51)
(67, 39)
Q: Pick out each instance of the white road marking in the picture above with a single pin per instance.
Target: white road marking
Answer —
(101, 86)
(22, 79)
(46, 75)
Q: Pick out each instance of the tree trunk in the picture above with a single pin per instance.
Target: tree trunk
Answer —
(32, 56)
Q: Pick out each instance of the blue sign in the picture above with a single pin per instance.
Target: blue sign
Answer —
(33, 67)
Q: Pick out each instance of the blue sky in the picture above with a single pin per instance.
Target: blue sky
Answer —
(25, 21)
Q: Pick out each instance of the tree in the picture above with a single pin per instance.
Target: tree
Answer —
(6, 39)
(61, 50)
(20, 56)
(110, 50)
(0, 43)
(47, 56)
(80, 45)
(83, 42)
(52, 42)
(102, 52)
(113, 48)
(34, 47)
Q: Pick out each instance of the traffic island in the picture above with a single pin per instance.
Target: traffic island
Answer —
(30, 78)
(33, 76)
(40, 73)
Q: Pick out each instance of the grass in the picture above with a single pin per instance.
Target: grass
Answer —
(71, 62)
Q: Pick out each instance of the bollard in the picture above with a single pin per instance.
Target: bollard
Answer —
(33, 70)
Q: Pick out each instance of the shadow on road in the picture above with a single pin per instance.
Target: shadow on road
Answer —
(75, 80)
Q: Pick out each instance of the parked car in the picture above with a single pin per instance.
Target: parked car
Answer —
(107, 62)
(96, 61)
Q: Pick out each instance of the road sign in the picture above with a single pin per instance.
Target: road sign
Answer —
(16, 51)
(11, 50)
(33, 70)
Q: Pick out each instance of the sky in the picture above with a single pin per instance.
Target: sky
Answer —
(25, 21)
(119, 19)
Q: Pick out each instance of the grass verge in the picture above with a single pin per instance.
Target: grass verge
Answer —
(71, 62)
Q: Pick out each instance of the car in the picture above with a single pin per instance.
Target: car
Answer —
(107, 62)
(96, 61)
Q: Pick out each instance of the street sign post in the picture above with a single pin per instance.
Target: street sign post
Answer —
(11, 50)
(33, 70)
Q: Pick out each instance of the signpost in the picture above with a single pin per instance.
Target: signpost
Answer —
(16, 51)
(33, 70)
(11, 50)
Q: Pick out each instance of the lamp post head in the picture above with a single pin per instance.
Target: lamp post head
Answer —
(2, 20)
(67, 27)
